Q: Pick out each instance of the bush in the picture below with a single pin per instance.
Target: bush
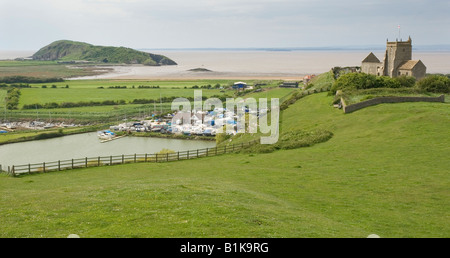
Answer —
(54, 105)
(12, 98)
(358, 81)
(25, 79)
(406, 81)
(221, 137)
(166, 151)
(435, 83)
(291, 140)
(43, 136)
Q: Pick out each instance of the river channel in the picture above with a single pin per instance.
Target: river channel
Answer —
(88, 145)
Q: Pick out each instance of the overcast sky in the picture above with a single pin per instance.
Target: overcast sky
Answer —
(32, 24)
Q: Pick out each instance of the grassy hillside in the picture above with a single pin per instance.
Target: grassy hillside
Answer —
(385, 171)
(66, 50)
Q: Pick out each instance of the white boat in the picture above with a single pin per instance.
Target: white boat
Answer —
(209, 131)
(186, 129)
(196, 130)
(105, 135)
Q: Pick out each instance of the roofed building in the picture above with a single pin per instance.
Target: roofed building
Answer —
(411, 68)
(240, 85)
(397, 61)
(371, 65)
(289, 85)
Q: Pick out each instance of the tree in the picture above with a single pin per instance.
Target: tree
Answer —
(358, 81)
(435, 83)
(406, 81)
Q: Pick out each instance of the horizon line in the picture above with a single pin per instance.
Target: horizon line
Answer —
(435, 47)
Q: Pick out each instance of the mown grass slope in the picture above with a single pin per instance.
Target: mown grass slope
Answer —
(385, 171)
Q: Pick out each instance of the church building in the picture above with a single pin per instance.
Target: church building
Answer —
(397, 62)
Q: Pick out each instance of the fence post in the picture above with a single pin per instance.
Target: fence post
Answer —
(98, 163)
(145, 157)
(178, 155)
(59, 165)
(188, 155)
(13, 171)
(225, 150)
(29, 168)
(110, 160)
(156, 157)
(207, 152)
(86, 162)
(216, 150)
(72, 163)
(123, 158)
(9, 170)
(43, 165)
(135, 158)
(167, 157)
(197, 153)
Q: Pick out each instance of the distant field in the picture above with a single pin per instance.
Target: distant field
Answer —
(160, 83)
(273, 93)
(13, 63)
(2, 98)
(90, 91)
(44, 69)
(35, 95)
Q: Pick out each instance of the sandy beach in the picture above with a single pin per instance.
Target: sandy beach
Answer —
(140, 72)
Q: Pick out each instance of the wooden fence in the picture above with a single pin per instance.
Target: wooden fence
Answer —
(61, 165)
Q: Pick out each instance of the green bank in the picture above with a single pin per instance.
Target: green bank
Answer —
(385, 171)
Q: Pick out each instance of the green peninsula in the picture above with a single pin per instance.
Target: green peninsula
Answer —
(66, 51)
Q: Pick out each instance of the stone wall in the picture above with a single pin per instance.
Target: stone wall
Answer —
(380, 100)
(370, 68)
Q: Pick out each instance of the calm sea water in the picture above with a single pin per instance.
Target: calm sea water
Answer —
(242, 64)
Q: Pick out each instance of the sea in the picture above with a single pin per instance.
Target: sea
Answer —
(253, 63)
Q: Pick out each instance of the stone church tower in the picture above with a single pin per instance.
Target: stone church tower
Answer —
(397, 61)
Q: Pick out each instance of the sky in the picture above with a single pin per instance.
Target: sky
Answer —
(166, 24)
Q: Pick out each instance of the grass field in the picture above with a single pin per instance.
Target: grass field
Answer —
(321, 81)
(14, 63)
(384, 172)
(89, 91)
(136, 83)
(2, 98)
(42, 96)
(44, 69)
